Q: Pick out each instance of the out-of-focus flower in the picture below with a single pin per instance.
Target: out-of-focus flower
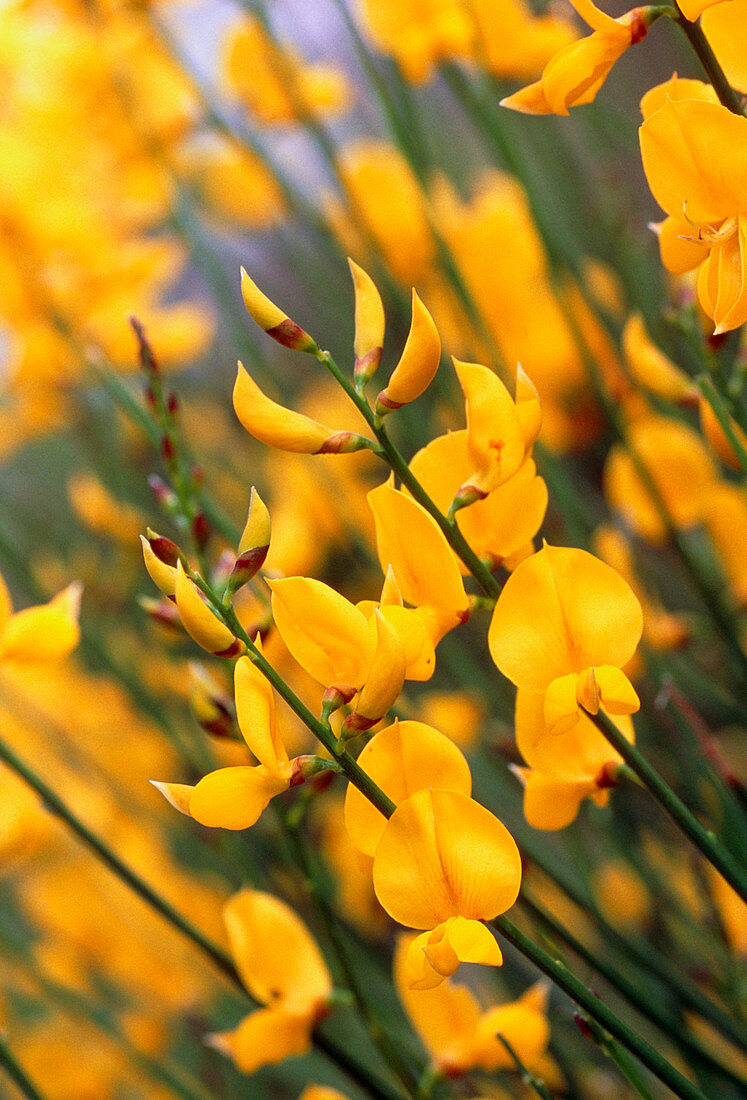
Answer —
(274, 83)
(235, 183)
(622, 895)
(419, 33)
(102, 512)
(577, 72)
(692, 154)
(679, 466)
(281, 965)
(691, 9)
(564, 625)
(718, 438)
(512, 42)
(459, 1035)
(445, 864)
(651, 367)
(47, 632)
(725, 516)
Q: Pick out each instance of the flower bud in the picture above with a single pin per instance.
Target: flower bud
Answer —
(254, 543)
(369, 324)
(418, 363)
(212, 707)
(272, 319)
(200, 622)
(160, 556)
(162, 612)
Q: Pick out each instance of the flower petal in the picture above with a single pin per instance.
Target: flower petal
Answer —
(235, 798)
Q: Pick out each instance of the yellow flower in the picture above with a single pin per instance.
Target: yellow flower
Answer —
(445, 864)
(678, 464)
(694, 157)
(47, 632)
(563, 626)
(459, 1035)
(651, 367)
(513, 43)
(723, 25)
(418, 33)
(577, 72)
(260, 72)
(198, 618)
(234, 798)
(401, 759)
(280, 965)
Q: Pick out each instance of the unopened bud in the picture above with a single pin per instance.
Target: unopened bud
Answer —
(211, 706)
(369, 325)
(308, 766)
(609, 775)
(254, 543)
(336, 696)
(162, 612)
(271, 318)
(163, 494)
(201, 530)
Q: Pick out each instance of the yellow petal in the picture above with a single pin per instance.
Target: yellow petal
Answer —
(44, 633)
(197, 618)
(680, 250)
(561, 705)
(443, 855)
(255, 712)
(276, 956)
(264, 1038)
(176, 794)
(257, 527)
(494, 428)
(616, 692)
(162, 575)
(562, 611)
(273, 424)
(6, 605)
(410, 542)
(718, 438)
(524, 1024)
(326, 634)
(234, 798)
(676, 88)
(723, 25)
(401, 759)
(369, 321)
(552, 803)
(650, 366)
(271, 318)
(579, 752)
(387, 673)
(695, 156)
(419, 360)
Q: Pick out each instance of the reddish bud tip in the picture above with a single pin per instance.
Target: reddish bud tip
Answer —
(583, 1025)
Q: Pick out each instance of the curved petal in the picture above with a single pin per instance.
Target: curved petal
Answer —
(199, 621)
(276, 956)
(235, 798)
(401, 759)
(420, 358)
(443, 855)
(265, 1037)
(255, 713)
(44, 633)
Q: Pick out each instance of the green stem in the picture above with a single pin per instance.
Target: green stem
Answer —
(702, 838)
(633, 993)
(376, 1030)
(527, 1077)
(17, 1074)
(397, 463)
(720, 411)
(620, 1057)
(565, 980)
(709, 61)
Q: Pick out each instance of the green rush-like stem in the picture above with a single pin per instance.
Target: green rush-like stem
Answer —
(528, 1078)
(713, 850)
(220, 958)
(377, 1032)
(702, 47)
(721, 412)
(397, 463)
(620, 1057)
(646, 1005)
(598, 1010)
(17, 1074)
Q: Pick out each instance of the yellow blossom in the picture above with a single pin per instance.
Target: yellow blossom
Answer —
(563, 626)
(577, 72)
(418, 33)
(281, 965)
(418, 363)
(47, 632)
(445, 864)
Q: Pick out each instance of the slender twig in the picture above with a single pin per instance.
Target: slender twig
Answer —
(592, 1004)
(534, 1082)
(614, 1051)
(702, 47)
(708, 843)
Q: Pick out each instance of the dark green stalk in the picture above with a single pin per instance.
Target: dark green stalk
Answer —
(17, 1074)
(528, 1078)
(704, 839)
(396, 461)
(709, 61)
(596, 1008)
(646, 1005)
(621, 1059)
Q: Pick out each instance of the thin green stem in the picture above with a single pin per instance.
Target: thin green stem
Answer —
(702, 838)
(378, 1033)
(534, 1082)
(721, 412)
(397, 463)
(596, 1008)
(17, 1073)
(702, 47)
(645, 1004)
(620, 1057)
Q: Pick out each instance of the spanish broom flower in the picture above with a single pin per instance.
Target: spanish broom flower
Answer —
(445, 864)
(564, 625)
(47, 632)
(280, 965)
(693, 156)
